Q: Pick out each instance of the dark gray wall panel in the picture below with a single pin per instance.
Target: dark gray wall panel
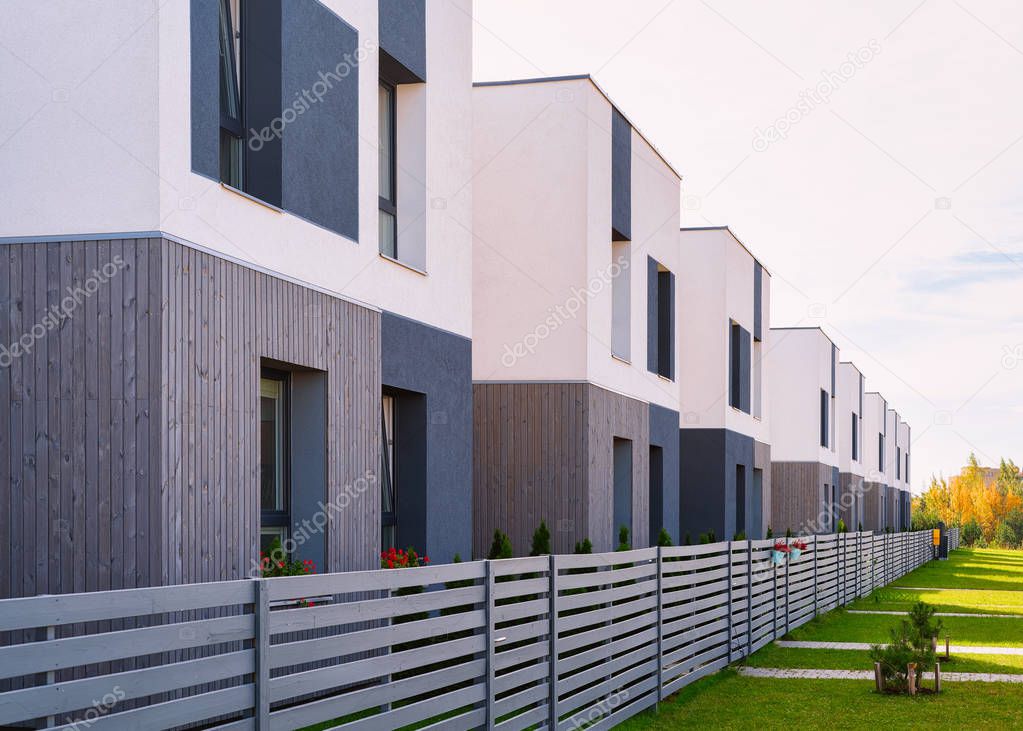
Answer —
(204, 48)
(664, 434)
(403, 33)
(320, 177)
(622, 456)
(707, 474)
(438, 364)
(621, 177)
(309, 444)
(758, 303)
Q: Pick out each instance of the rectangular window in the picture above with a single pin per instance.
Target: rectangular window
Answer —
(665, 321)
(739, 355)
(880, 452)
(898, 463)
(231, 127)
(855, 432)
(388, 482)
(387, 147)
(907, 467)
(740, 498)
(274, 492)
(622, 479)
(621, 300)
(825, 422)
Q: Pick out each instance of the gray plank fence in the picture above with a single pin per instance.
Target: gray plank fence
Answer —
(512, 644)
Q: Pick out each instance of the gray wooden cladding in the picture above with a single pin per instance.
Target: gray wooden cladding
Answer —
(588, 639)
(129, 430)
(543, 451)
(798, 496)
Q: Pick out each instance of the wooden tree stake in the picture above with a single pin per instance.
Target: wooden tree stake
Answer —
(878, 677)
(911, 677)
(937, 677)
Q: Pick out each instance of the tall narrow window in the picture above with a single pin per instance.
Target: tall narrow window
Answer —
(880, 452)
(740, 498)
(622, 480)
(825, 422)
(855, 432)
(907, 467)
(389, 496)
(898, 463)
(621, 300)
(231, 127)
(387, 147)
(739, 387)
(274, 493)
(656, 492)
(665, 322)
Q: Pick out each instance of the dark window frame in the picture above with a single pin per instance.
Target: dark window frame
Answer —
(825, 420)
(232, 128)
(389, 519)
(388, 204)
(280, 518)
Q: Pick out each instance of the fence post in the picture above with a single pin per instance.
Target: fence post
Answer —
(552, 694)
(489, 618)
(262, 647)
(815, 576)
(788, 594)
(660, 627)
(749, 597)
(729, 544)
(774, 588)
(51, 676)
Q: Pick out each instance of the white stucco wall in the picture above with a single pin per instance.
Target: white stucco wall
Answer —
(542, 264)
(116, 156)
(850, 389)
(715, 288)
(799, 367)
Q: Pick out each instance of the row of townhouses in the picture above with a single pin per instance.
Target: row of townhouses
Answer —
(281, 270)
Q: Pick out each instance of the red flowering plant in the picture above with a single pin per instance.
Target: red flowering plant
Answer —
(799, 545)
(781, 547)
(395, 558)
(275, 562)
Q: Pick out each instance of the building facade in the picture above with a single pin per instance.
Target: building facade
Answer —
(252, 296)
(802, 368)
(725, 457)
(851, 403)
(875, 438)
(574, 352)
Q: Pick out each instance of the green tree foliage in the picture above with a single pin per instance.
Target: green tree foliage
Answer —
(623, 539)
(541, 541)
(501, 546)
(664, 538)
(584, 546)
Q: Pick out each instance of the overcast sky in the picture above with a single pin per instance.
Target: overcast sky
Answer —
(889, 212)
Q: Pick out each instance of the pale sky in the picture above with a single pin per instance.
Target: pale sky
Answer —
(891, 213)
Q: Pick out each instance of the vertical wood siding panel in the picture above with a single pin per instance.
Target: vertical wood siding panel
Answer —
(6, 515)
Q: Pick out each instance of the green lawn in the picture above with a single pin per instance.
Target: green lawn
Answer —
(972, 581)
(842, 626)
(730, 701)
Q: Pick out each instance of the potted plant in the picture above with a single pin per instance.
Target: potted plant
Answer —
(797, 549)
(780, 553)
(275, 562)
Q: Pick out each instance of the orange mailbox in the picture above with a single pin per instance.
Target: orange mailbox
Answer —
(936, 536)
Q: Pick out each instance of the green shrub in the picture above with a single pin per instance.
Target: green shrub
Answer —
(740, 536)
(501, 547)
(841, 526)
(623, 539)
(541, 541)
(664, 538)
(972, 533)
(584, 546)
(910, 643)
(770, 533)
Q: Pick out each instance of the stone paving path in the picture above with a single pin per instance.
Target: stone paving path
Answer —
(962, 649)
(937, 614)
(869, 675)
